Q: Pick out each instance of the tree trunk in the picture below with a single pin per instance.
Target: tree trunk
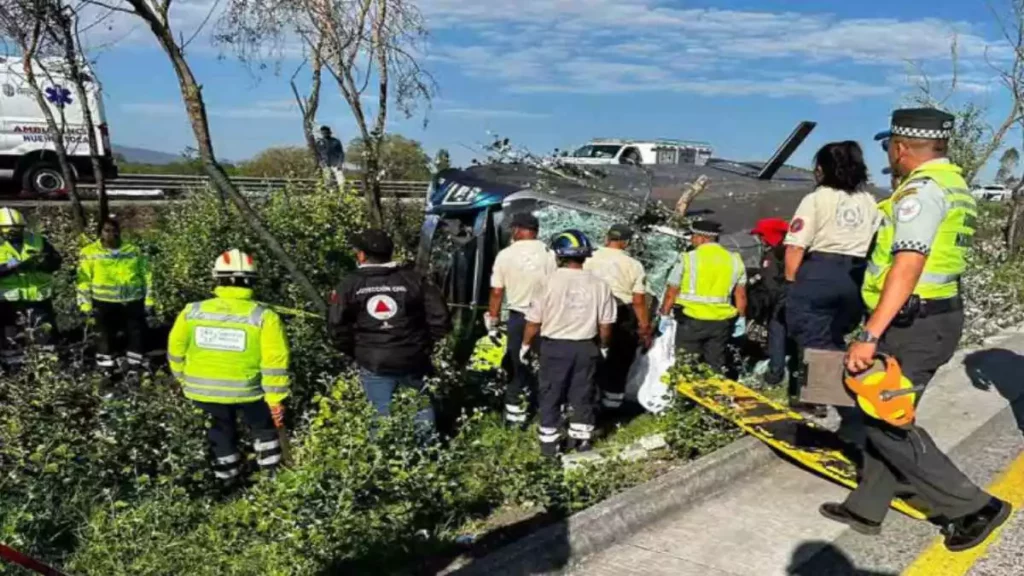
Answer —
(371, 187)
(78, 213)
(192, 95)
(71, 57)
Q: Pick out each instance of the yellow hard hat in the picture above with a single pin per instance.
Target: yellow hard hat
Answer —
(11, 218)
(234, 262)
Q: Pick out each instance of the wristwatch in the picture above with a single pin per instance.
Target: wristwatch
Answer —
(867, 337)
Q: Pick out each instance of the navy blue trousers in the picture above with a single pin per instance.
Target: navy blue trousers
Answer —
(824, 304)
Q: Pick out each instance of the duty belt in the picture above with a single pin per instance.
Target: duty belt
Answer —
(944, 306)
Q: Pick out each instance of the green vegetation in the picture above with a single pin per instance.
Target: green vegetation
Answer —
(400, 158)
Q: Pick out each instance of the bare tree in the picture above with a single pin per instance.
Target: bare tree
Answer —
(62, 27)
(370, 47)
(155, 14)
(310, 104)
(25, 22)
(974, 139)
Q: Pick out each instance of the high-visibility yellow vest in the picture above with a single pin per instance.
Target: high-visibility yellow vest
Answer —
(230, 350)
(27, 285)
(710, 274)
(948, 258)
(121, 275)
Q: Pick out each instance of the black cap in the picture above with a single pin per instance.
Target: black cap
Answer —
(920, 123)
(374, 241)
(524, 220)
(620, 232)
(706, 228)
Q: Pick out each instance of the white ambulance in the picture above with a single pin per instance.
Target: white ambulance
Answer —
(28, 155)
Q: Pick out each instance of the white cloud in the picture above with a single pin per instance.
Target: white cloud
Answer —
(270, 109)
(491, 113)
(610, 46)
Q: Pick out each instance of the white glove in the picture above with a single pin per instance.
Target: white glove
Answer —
(664, 323)
(524, 352)
(490, 322)
(741, 327)
(604, 353)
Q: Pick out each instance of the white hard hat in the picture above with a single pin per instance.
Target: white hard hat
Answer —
(234, 262)
(9, 217)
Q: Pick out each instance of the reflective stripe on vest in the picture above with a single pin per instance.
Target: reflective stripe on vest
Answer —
(705, 295)
(223, 361)
(255, 318)
(947, 259)
(27, 285)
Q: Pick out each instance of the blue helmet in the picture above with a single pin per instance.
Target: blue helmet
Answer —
(571, 244)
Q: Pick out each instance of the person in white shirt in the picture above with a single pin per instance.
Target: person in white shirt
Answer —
(516, 274)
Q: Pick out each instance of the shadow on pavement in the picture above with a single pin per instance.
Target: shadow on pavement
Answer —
(816, 558)
(1000, 369)
(539, 551)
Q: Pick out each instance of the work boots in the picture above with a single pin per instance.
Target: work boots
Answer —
(968, 531)
(579, 446)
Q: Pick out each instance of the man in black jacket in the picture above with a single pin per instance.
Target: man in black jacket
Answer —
(388, 318)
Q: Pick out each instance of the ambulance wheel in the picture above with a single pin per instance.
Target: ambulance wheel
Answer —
(43, 178)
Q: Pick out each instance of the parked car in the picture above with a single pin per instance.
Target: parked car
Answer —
(27, 151)
(992, 193)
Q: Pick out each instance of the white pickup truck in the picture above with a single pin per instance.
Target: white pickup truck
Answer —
(992, 193)
(603, 151)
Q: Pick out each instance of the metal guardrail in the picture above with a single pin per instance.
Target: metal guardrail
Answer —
(169, 185)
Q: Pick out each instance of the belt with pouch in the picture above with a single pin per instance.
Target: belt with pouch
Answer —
(916, 307)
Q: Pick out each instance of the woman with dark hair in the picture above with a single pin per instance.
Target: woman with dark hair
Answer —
(828, 239)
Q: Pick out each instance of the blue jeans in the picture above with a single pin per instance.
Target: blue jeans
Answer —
(380, 388)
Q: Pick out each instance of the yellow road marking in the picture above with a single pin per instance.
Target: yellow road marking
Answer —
(936, 560)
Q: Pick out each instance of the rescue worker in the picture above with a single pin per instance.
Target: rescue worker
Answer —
(571, 312)
(912, 289)
(625, 276)
(769, 294)
(518, 270)
(707, 290)
(115, 288)
(388, 317)
(231, 356)
(27, 264)
(828, 239)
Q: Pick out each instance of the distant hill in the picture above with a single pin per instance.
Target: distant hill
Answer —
(145, 156)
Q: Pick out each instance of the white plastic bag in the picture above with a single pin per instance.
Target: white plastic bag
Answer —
(646, 372)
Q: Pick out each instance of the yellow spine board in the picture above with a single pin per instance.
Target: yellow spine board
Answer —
(818, 449)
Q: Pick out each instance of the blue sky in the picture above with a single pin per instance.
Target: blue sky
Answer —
(554, 73)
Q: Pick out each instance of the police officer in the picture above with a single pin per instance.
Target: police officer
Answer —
(388, 317)
(572, 310)
(625, 276)
(707, 289)
(115, 287)
(231, 356)
(517, 272)
(912, 289)
(828, 239)
(27, 264)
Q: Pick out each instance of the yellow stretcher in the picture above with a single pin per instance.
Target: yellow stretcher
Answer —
(808, 444)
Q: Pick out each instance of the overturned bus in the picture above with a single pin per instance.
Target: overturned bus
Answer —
(467, 213)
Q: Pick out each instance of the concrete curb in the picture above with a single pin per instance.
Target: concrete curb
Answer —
(554, 547)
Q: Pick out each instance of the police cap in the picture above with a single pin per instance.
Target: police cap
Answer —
(375, 242)
(524, 220)
(920, 123)
(621, 232)
(707, 228)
